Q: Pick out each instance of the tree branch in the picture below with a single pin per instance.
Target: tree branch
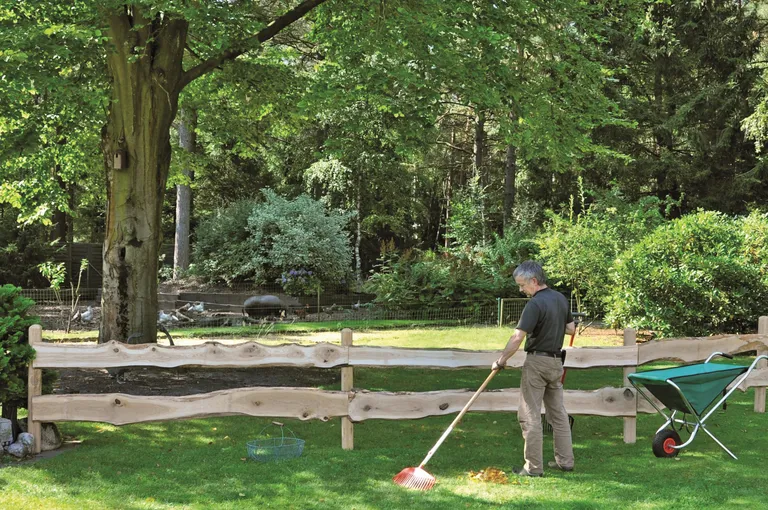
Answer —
(455, 147)
(263, 35)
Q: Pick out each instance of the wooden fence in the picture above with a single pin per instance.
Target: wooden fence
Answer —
(351, 404)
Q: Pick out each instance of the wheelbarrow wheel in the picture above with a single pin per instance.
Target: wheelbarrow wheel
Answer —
(664, 441)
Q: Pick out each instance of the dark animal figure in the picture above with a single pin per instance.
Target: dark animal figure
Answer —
(263, 306)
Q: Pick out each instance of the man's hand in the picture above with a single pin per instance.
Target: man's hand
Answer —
(498, 364)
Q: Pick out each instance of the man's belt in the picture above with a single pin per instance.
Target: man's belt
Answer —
(546, 353)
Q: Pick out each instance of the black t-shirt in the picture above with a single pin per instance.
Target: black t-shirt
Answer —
(544, 319)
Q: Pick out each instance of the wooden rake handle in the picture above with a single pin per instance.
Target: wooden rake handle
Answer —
(458, 418)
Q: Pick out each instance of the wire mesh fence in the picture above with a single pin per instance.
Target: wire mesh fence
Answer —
(222, 310)
(63, 296)
(477, 314)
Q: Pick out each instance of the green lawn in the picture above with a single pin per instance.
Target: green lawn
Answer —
(198, 463)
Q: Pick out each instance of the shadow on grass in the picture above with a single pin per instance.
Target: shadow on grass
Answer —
(198, 464)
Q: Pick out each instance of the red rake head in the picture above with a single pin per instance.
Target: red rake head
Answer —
(414, 478)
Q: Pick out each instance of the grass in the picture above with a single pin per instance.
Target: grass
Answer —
(265, 329)
(198, 464)
(482, 338)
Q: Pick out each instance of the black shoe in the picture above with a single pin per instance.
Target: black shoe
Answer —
(523, 472)
(554, 465)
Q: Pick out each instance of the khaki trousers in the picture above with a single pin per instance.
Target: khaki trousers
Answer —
(541, 383)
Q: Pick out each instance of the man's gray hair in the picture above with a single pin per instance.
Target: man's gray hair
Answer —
(531, 269)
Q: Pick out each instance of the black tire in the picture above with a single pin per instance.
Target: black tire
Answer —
(663, 442)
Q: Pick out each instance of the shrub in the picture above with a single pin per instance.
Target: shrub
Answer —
(580, 252)
(15, 352)
(428, 280)
(691, 277)
(221, 251)
(264, 241)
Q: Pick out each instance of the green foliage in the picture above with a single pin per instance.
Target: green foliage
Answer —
(682, 73)
(15, 351)
(55, 274)
(221, 251)
(504, 253)
(22, 248)
(298, 234)
(264, 241)
(429, 280)
(579, 251)
(463, 228)
(755, 250)
(692, 276)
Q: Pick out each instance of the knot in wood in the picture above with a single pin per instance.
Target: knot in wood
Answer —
(305, 414)
(444, 406)
(628, 393)
(117, 401)
(367, 408)
(257, 403)
(116, 349)
(609, 399)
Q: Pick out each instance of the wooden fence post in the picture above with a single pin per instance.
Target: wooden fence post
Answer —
(762, 329)
(34, 389)
(347, 428)
(630, 424)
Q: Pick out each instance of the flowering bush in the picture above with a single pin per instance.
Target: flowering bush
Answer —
(300, 282)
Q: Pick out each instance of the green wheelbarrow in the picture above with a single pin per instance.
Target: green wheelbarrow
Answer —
(689, 390)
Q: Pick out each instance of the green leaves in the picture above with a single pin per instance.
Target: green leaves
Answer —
(14, 345)
(695, 275)
(260, 241)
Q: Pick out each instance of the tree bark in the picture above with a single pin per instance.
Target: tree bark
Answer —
(188, 142)
(510, 175)
(478, 165)
(145, 91)
(359, 233)
(60, 230)
(145, 66)
(479, 146)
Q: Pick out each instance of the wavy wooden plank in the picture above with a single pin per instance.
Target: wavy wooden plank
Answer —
(578, 357)
(757, 378)
(589, 357)
(121, 409)
(698, 348)
(370, 356)
(210, 354)
(407, 406)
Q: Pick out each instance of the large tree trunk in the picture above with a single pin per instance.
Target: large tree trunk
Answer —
(479, 161)
(359, 233)
(145, 88)
(510, 175)
(60, 230)
(188, 141)
(145, 65)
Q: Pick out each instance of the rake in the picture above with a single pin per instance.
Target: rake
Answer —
(417, 477)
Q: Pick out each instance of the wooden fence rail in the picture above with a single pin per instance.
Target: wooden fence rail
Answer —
(351, 404)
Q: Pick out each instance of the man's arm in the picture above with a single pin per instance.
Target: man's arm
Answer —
(512, 346)
(570, 328)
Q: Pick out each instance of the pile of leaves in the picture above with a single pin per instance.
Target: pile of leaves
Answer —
(489, 474)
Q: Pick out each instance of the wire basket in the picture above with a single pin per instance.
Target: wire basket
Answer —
(275, 449)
